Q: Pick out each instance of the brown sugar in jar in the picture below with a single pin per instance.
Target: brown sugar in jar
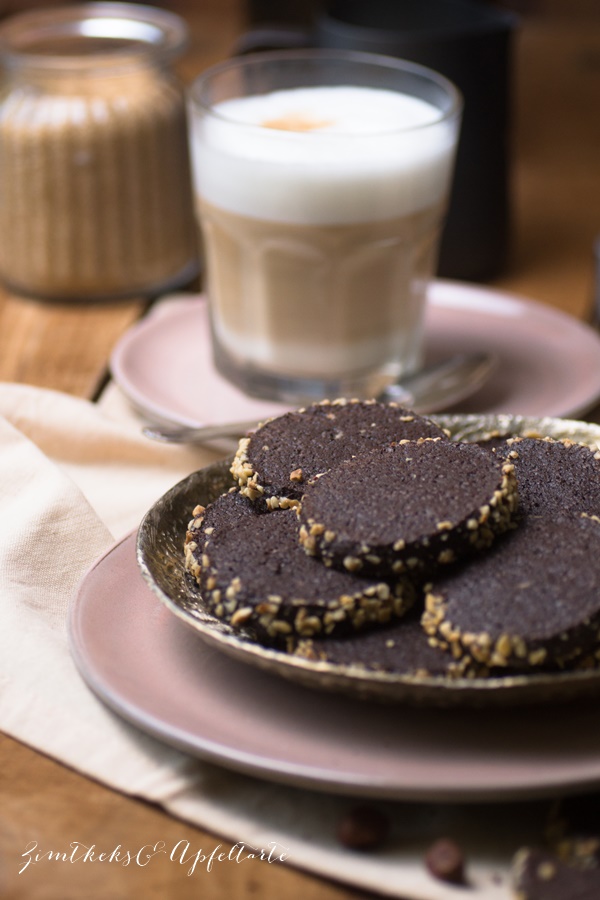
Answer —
(95, 183)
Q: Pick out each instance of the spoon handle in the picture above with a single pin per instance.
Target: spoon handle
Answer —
(179, 434)
(428, 390)
(444, 384)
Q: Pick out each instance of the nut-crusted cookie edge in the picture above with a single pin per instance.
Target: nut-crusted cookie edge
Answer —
(274, 619)
(475, 532)
(249, 480)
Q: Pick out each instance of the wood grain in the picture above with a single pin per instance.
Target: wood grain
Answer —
(58, 346)
(53, 806)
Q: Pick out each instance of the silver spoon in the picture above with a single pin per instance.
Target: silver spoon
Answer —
(431, 389)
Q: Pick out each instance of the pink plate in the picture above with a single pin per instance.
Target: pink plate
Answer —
(549, 361)
(156, 672)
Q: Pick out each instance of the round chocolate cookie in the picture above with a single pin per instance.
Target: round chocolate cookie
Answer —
(254, 575)
(532, 601)
(555, 477)
(401, 647)
(539, 874)
(283, 454)
(408, 507)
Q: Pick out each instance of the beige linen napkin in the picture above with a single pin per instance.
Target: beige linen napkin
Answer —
(75, 476)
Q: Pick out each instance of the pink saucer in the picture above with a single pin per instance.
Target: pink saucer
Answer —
(549, 362)
(159, 674)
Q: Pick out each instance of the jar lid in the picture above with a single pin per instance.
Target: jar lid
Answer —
(107, 32)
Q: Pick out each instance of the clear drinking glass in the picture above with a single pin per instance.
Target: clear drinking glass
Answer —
(321, 181)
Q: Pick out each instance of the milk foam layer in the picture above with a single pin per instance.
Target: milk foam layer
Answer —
(369, 154)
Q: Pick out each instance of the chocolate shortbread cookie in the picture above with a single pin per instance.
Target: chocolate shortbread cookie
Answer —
(533, 600)
(539, 874)
(401, 647)
(283, 454)
(555, 477)
(408, 507)
(254, 575)
(566, 863)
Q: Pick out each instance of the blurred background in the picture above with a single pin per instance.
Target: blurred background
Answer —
(551, 209)
(553, 151)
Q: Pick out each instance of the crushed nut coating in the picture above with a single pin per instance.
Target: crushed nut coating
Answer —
(285, 452)
(281, 613)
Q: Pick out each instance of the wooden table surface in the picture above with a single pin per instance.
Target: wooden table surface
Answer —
(556, 209)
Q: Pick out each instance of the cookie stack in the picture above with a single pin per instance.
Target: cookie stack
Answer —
(530, 602)
(333, 542)
(359, 533)
(533, 601)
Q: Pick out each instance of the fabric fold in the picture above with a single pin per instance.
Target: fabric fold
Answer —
(74, 478)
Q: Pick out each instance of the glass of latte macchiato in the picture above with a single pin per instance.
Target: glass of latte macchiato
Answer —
(322, 180)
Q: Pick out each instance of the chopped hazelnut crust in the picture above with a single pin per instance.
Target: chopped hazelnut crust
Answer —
(254, 575)
(401, 647)
(506, 532)
(544, 874)
(554, 477)
(533, 601)
(284, 453)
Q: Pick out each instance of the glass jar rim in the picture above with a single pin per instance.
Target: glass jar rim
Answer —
(199, 87)
(144, 30)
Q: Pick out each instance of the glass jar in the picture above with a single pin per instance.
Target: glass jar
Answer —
(95, 184)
